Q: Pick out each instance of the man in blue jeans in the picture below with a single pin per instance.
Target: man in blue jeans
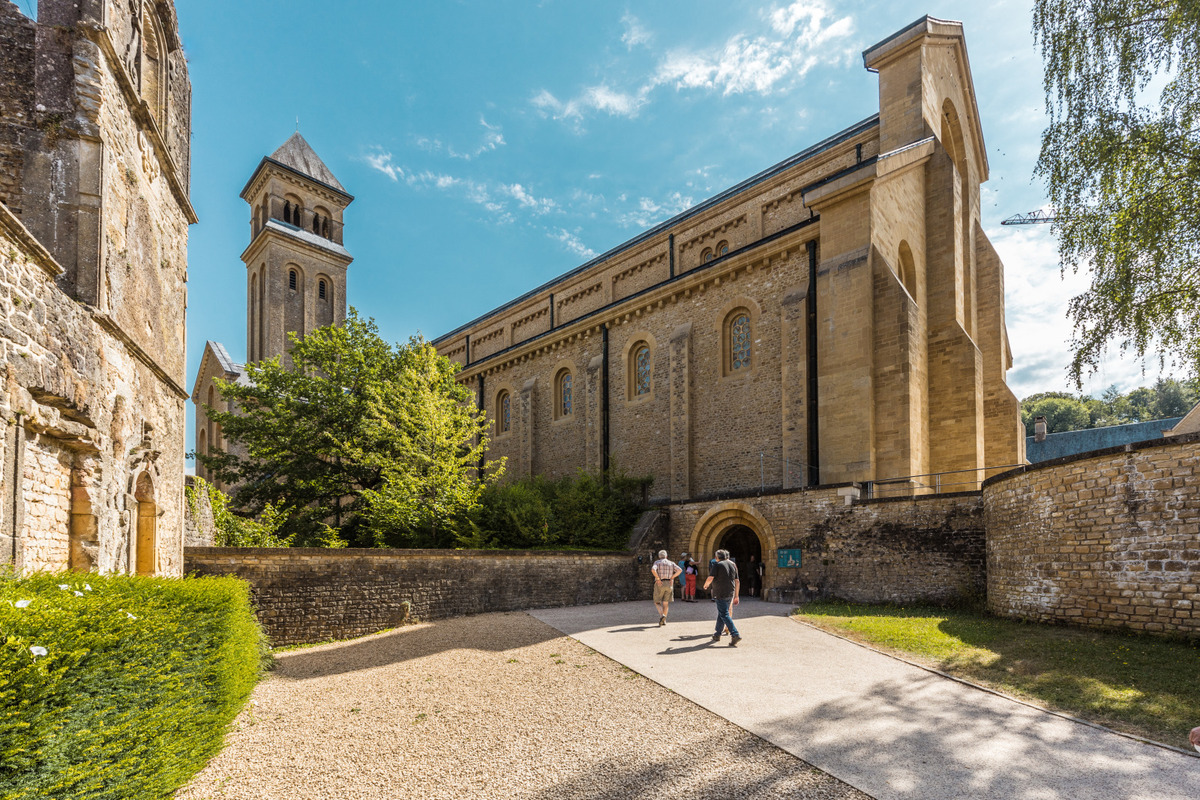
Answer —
(723, 578)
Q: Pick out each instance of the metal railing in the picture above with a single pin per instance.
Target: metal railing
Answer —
(958, 480)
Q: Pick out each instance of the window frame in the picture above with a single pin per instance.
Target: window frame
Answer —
(564, 410)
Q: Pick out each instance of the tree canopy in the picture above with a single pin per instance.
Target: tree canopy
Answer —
(1121, 159)
(1066, 412)
(359, 442)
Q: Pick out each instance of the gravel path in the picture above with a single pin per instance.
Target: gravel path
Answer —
(497, 705)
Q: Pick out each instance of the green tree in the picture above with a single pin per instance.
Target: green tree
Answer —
(433, 442)
(1121, 159)
(1062, 414)
(326, 438)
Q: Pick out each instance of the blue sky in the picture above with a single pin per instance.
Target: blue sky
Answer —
(493, 145)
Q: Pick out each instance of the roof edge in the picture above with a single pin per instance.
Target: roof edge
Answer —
(268, 160)
(717, 199)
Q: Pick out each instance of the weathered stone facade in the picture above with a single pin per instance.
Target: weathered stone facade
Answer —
(94, 143)
(838, 317)
(1109, 538)
(310, 595)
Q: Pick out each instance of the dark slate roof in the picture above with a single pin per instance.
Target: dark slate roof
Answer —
(299, 155)
(308, 237)
(1070, 443)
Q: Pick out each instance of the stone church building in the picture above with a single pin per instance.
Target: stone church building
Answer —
(295, 273)
(838, 317)
(95, 126)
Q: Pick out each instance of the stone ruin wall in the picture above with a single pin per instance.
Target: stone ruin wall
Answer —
(73, 406)
(305, 595)
(93, 269)
(1107, 539)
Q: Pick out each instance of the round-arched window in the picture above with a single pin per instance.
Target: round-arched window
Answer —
(291, 279)
(504, 412)
(563, 396)
(641, 370)
(739, 342)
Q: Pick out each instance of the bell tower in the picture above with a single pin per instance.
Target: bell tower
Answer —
(295, 263)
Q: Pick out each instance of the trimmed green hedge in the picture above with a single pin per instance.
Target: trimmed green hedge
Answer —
(119, 687)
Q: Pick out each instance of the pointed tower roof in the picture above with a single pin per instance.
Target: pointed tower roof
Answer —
(299, 155)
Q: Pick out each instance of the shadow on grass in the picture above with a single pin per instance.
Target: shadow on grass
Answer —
(1136, 683)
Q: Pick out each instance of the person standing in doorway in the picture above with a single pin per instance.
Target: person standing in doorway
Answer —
(689, 573)
(665, 571)
(723, 579)
(755, 576)
(682, 562)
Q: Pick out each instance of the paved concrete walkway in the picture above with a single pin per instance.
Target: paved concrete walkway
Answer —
(887, 728)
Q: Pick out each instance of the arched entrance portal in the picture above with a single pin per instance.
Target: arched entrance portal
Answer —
(740, 529)
(146, 541)
(742, 544)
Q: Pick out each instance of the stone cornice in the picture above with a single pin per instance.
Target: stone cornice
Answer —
(38, 254)
(763, 254)
(109, 324)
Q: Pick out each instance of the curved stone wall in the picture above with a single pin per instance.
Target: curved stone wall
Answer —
(1110, 539)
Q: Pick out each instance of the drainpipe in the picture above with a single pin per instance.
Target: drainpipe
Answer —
(671, 251)
(604, 400)
(482, 401)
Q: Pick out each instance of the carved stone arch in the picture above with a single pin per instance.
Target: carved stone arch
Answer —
(718, 520)
(501, 427)
(724, 322)
(955, 143)
(907, 268)
(633, 342)
(153, 73)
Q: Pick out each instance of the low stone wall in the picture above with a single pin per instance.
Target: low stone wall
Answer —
(927, 549)
(1110, 539)
(310, 594)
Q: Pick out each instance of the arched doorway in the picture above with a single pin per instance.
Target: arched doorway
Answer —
(740, 529)
(146, 542)
(745, 548)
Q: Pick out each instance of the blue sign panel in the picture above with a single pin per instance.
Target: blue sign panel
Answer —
(789, 559)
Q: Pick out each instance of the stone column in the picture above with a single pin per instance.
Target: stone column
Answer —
(679, 381)
(593, 446)
(526, 431)
(794, 394)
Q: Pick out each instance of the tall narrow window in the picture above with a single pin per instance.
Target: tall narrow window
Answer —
(563, 395)
(722, 249)
(503, 413)
(291, 279)
(641, 370)
(739, 342)
(317, 224)
(321, 290)
(707, 255)
(287, 211)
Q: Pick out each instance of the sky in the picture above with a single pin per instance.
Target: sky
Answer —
(493, 145)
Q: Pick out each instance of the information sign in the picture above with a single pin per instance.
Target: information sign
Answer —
(789, 559)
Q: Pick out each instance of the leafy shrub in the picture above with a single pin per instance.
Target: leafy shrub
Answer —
(583, 512)
(235, 530)
(119, 687)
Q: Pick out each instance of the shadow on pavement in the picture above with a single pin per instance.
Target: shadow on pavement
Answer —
(404, 644)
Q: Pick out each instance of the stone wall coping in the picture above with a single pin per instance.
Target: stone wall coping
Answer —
(34, 249)
(1133, 447)
(388, 552)
(871, 501)
(751, 495)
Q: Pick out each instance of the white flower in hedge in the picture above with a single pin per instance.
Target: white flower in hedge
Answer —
(23, 603)
(79, 594)
(87, 586)
(63, 586)
(38, 650)
(131, 616)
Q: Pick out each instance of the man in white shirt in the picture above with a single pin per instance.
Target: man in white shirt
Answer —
(665, 572)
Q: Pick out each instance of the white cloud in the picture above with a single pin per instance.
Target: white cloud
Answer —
(539, 205)
(493, 138)
(592, 98)
(794, 39)
(650, 212)
(634, 33)
(382, 161)
(1039, 331)
(572, 243)
(800, 38)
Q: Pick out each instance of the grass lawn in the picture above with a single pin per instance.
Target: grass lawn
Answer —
(1139, 684)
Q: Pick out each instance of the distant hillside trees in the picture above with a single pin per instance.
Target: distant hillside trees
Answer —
(1067, 412)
